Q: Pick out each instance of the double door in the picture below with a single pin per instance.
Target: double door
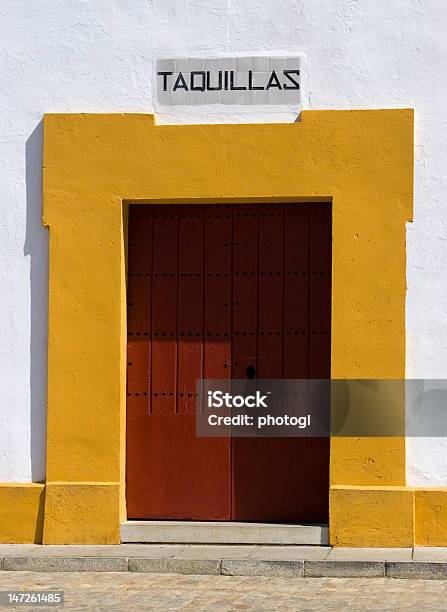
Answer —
(218, 292)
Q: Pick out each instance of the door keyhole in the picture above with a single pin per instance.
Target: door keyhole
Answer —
(251, 371)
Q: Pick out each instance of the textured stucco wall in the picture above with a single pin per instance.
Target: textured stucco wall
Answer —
(81, 56)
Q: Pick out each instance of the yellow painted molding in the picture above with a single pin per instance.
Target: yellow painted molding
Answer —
(94, 164)
(82, 513)
(21, 512)
(431, 517)
(371, 516)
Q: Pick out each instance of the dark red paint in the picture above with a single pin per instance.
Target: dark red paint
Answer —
(220, 291)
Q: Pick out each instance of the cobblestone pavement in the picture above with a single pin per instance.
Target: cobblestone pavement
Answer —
(126, 591)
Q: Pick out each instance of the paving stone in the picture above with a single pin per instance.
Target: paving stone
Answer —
(152, 551)
(258, 567)
(429, 553)
(69, 551)
(124, 591)
(290, 552)
(370, 554)
(230, 560)
(344, 569)
(119, 550)
(18, 549)
(200, 551)
(66, 564)
(175, 566)
(416, 569)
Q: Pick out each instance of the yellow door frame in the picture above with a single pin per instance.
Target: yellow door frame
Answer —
(93, 164)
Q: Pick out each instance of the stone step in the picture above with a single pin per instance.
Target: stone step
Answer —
(295, 568)
(215, 532)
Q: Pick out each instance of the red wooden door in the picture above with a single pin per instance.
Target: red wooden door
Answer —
(285, 479)
(216, 292)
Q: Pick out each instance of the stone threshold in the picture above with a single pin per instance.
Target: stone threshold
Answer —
(223, 532)
(285, 561)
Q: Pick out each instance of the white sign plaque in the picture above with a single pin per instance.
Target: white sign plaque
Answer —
(226, 80)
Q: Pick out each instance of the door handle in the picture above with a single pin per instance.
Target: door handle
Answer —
(251, 371)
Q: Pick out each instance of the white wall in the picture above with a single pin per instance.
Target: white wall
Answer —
(98, 56)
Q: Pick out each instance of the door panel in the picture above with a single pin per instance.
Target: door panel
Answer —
(190, 306)
(287, 479)
(224, 291)
(171, 473)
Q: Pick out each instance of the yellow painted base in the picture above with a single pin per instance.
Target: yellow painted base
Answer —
(387, 516)
(82, 513)
(371, 516)
(87, 513)
(430, 517)
(21, 513)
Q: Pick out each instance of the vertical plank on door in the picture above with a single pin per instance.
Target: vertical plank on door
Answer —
(320, 281)
(245, 291)
(218, 292)
(320, 291)
(296, 291)
(271, 298)
(190, 306)
(139, 282)
(164, 310)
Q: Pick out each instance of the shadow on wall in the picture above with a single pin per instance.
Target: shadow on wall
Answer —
(36, 247)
